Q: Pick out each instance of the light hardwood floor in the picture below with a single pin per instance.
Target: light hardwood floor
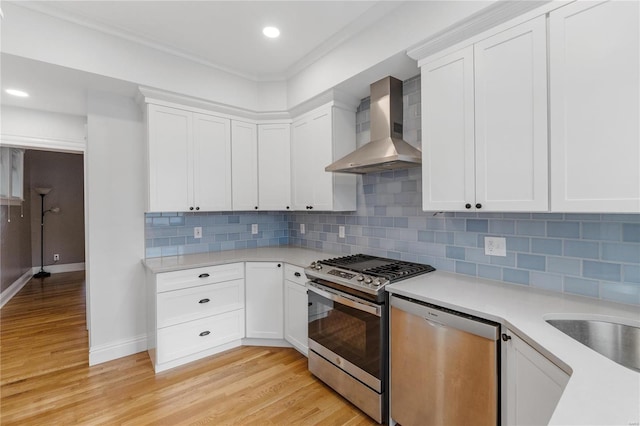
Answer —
(45, 378)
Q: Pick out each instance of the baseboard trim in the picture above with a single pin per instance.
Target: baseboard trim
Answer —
(65, 267)
(14, 288)
(109, 352)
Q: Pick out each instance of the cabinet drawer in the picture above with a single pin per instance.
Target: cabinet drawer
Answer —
(177, 280)
(175, 307)
(295, 274)
(195, 336)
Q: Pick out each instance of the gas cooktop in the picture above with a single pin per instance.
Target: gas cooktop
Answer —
(363, 272)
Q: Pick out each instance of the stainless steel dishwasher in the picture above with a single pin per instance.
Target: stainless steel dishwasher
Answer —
(445, 366)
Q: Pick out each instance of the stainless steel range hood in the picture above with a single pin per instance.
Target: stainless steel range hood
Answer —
(387, 150)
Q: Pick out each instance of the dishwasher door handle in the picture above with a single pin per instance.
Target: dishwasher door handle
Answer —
(434, 323)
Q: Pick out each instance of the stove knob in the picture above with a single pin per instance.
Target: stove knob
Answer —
(313, 265)
(368, 280)
(360, 278)
(318, 267)
(377, 282)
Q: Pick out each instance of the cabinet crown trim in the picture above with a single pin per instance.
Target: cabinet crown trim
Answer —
(482, 21)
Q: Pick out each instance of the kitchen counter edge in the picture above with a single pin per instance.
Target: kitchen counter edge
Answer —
(297, 256)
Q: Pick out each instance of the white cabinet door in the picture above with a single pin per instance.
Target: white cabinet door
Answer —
(595, 131)
(212, 163)
(511, 119)
(295, 315)
(274, 166)
(244, 167)
(170, 159)
(448, 169)
(317, 139)
(264, 300)
(321, 150)
(533, 384)
(301, 162)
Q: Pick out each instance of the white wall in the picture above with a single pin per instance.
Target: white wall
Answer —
(402, 28)
(34, 35)
(115, 168)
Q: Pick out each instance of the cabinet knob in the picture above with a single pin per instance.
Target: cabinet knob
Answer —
(204, 333)
(197, 208)
(287, 207)
(190, 208)
(505, 337)
(467, 206)
(478, 206)
(256, 207)
(205, 275)
(297, 274)
(204, 301)
(279, 265)
(310, 207)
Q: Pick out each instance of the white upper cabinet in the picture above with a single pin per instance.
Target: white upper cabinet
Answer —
(317, 139)
(448, 153)
(212, 169)
(244, 145)
(595, 139)
(189, 161)
(511, 119)
(261, 166)
(274, 166)
(484, 114)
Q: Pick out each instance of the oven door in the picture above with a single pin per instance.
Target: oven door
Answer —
(348, 332)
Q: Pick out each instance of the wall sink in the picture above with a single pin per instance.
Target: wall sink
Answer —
(618, 342)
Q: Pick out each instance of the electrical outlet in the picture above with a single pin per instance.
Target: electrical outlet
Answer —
(56, 257)
(302, 229)
(495, 246)
(340, 231)
(254, 228)
(197, 232)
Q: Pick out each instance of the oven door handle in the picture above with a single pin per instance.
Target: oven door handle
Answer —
(374, 310)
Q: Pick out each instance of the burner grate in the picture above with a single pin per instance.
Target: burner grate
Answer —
(393, 270)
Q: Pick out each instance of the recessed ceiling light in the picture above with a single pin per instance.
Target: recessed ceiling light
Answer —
(271, 32)
(18, 93)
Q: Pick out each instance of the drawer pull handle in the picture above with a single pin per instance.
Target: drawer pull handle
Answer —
(203, 276)
(204, 301)
(205, 333)
(297, 274)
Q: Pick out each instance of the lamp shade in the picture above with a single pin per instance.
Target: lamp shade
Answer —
(42, 191)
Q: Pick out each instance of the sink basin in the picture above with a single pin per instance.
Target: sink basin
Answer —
(618, 342)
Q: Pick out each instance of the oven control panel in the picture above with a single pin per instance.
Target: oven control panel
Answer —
(341, 274)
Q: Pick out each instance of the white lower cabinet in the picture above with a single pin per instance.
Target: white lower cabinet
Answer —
(295, 308)
(532, 384)
(194, 313)
(264, 301)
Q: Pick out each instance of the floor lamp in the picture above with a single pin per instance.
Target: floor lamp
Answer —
(42, 192)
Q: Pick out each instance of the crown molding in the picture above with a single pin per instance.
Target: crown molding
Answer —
(486, 19)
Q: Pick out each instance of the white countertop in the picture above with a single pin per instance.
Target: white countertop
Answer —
(292, 255)
(599, 391)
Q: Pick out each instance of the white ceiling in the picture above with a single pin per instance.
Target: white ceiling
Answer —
(228, 34)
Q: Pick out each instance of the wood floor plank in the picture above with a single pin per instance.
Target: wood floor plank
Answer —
(45, 377)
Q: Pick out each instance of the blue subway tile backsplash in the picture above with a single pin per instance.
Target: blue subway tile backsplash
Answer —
(594, 255)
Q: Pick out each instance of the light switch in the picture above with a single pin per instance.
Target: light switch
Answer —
(302, 229)
(340, 231)
(254, 228)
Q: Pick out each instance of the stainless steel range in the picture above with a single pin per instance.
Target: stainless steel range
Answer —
(349, 325)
